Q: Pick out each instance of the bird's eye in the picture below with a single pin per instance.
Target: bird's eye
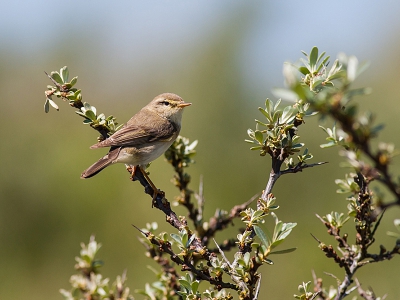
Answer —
(166, 103)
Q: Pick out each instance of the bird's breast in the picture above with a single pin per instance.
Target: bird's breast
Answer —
(144, 154)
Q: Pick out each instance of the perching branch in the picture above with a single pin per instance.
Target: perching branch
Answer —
(185, 263)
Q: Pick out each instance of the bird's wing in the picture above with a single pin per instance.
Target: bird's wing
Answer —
(133, 134)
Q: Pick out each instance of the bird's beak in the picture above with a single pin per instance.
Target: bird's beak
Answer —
(184, 104)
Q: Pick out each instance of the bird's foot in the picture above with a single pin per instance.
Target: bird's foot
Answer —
(132, 171)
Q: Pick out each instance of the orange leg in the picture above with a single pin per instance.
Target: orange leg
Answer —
(155, 190)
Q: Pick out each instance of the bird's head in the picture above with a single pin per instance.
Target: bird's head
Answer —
(169, 106)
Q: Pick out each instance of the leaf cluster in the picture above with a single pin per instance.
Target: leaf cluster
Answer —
(88, 283)
(329, 92)
(278, 133)
(62, 89)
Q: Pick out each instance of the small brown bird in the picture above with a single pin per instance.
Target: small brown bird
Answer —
(146, 136)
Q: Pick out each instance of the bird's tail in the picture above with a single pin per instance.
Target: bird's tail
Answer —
(97, 167)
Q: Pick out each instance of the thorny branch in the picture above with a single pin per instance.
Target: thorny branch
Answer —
(186, 264)
(276, 173)
(362, 142)
(352, 259)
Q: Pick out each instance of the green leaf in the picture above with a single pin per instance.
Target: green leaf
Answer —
(277, 104)
(265, 113)
(177, 238)
(304, 70)
(93, 109)
(46, 106)
(284, 251)
(67, 86)
(328, 145)
(313, 58)
(64, 74)
(297, 146)
(190, 240)
(268, 106)
(321, 56)
(287, 114)
(276, 116)
(323, 63)
(277, 230)
(261, 123)
(74, 80)
(250, 133)
(246, 258)
(327, 130)
(56, 76)
(101, 116)
(184, 238)
(268, 261)
(259, 136)
(256, 148)
(80, 113)
(337, 75)
(305, 63)
(91, 115)
(290, 226)
(87, 106)
(258, 213)
(262, 236)
(78, 93)
(276, 243)
(335, 68)
(317, 83)
(195, 286)
(185, 284)
(52, 103)
(71, 96)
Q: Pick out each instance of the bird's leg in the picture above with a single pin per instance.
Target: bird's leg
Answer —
(133, 170)
(156, 191)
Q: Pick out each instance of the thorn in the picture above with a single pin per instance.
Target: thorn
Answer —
(141, 231)
(316, 238)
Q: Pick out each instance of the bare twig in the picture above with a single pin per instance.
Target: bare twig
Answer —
(276, 173)
(300, 167)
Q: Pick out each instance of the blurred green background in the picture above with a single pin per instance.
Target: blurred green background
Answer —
(224, 57)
